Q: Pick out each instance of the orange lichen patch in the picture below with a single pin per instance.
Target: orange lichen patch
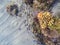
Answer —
(43, 15)
(40, 15)
(44, 18)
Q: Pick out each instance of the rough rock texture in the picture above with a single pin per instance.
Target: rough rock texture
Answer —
(15, 30)
(44, 34)
(41, 27)
(42, 4)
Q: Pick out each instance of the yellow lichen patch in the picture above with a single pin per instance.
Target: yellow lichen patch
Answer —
(44, 18)
(50, 23)
(43, 25)
(56, 24)
(47, 14)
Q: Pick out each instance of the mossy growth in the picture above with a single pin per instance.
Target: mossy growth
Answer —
(56, 24)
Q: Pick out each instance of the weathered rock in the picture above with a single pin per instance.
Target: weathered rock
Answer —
(13, 9)
(29, 2)
(42, 4)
